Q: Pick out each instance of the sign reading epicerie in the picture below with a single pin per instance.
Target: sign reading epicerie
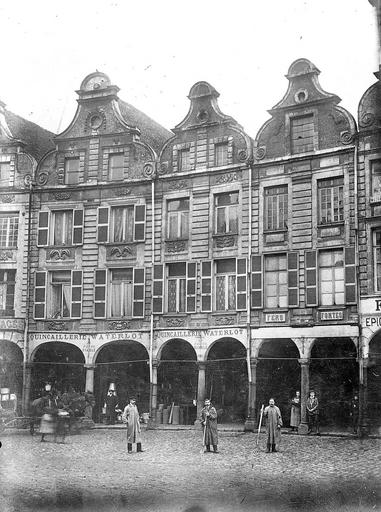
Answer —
(371, 312)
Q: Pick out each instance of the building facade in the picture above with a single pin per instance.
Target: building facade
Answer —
(199, 262)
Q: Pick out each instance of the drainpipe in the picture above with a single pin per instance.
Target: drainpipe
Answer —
(152, 269)
(26, 370)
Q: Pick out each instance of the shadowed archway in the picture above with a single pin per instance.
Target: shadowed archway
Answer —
(374, 382)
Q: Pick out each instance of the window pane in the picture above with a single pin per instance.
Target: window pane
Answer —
(71, 171)
(221, 220)
(220, 293)
(116, 171)
(221, 154)
(182, 295)
(9, 224)
(172, 287)
(122, 224)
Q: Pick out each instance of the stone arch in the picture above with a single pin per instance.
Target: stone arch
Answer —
(125, 364)
(278, 373)
(60, 364)
(226, 378)
(11, 373)
(177, 379)
(374, 381)
(334, 377)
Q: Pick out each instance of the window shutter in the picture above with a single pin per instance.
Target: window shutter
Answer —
(206, 286)
(241, 286)
(311, 278)
(103, 216)
(76, 294)
(158, 286)
(256, 282)
(100, 287)
(191, 286)
(43, 229)
(293, 279)
(139, 293)
(40, 295)
(140, 222)
(78, 227)
(350, 275)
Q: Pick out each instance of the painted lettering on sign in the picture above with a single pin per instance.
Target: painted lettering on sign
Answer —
(11, 324)
(373, 321)
(331, 315)
(275, 317)
(378, 304)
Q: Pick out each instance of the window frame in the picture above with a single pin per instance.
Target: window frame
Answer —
(375, 231)
(8, 284)
(293, 132)
(277, 225)
(68, 173)
(278, 284)
(334, 281)
(111, 168)
(226, 209)
(178, 214)
(337, 183)
(9, 216)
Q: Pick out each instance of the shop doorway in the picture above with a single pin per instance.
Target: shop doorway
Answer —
(11, 375)
(374, 382)
(226, 379)
(334, 378)
(278, 374)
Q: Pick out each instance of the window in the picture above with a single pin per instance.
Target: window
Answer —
(9, 227)
(331, 277)
(226, 213)
(220, 154)
(276, 286)
(225, 285)
(376, 179)
(183, 159)
(377, 259)
(176, 288)
(302, 133)
(7, 291)
(121, 223)
(178, 219)
(330, 200)
(5, 174)
(58, 294)
(276, 206)
(116, 171)
(60, 228)
(71, 171)
(121, 292)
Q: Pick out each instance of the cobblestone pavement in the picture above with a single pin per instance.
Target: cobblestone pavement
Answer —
(93, 472)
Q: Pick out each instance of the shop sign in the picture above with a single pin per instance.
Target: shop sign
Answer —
(372, 321)
(11, 324)
(331, 315)
(275, 317)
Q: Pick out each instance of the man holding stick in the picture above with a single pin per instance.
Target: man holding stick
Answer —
(131, 418)
(273, 425)
(209, 422)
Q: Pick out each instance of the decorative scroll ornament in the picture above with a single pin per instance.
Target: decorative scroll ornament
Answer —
(148, 170)
(260, 152)
(225, 320)
(62, 196)
(60, 254)
(6, 255)
(42, 178)
(27, 180)
(123, 191)
(8, 198)
(175, 322)
(227, 178)
(346, 137)
(176, 246)
(225, 241)
(163, 168)
(121, 252)
(120, 325)
(58, 326)
(178, 185)
(367, 119)
(242, 155)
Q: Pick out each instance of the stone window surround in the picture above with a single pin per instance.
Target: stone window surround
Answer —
(192, 156)
(220, 140)
(287, 127)
(11, 159)
(114, 150)
(62, 157)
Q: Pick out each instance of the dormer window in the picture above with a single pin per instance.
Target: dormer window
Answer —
(302, 133)
(5, 174)
(71, 171)
(183, 159)
(221, 154)
(116, 171)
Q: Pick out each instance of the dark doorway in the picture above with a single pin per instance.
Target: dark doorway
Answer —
(11, 374)
(59, 364)
(124, 363)
(177, 378)
(278, 375)
(334, 378)
(374, 382)
(226, 379)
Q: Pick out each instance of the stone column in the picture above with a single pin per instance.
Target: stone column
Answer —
(89, 386)
(304, 385)
(200, 389)
(363, 398)
(251, 422)
(25, 404)
(155, 364)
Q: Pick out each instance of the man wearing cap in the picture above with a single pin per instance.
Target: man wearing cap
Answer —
(273, 425)
(131, 418)
(111, 402)
(209, 421)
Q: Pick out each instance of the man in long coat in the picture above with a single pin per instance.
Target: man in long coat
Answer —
(111, 401)
(131, 417)
(312, 407)
(209, 421)
(273, 425)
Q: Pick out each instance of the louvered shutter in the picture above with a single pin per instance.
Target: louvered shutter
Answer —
(103, 220)
(76, 293)
(206, 286)
(78, 227)
(191, 287)
(43, 229)
(241, 285)
(139, 293)
(293, 279)
(350, 275)
(139, 222)
(256, 282)
(158, 289)
(311, 278)
(100, 288)
(40, 295)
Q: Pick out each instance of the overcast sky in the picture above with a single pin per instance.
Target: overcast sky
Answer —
(155, 50)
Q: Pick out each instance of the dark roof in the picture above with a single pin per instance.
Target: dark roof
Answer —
(37, 140)
(151, 132)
